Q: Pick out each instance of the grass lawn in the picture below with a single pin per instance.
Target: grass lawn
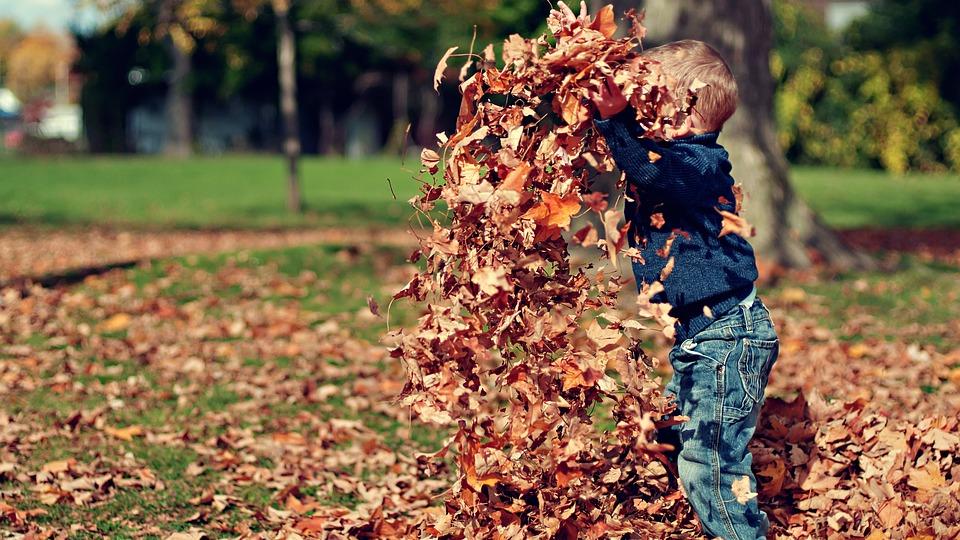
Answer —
(234, 191)
(857, 198)
(249, 191)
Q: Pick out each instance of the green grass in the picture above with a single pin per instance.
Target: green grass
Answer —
(249, 191)
(234, 191)
(914, 302)
(854, 198)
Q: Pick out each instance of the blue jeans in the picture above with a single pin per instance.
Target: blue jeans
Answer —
(719, 378)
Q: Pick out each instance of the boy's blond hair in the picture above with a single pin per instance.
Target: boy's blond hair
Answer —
(687, 61)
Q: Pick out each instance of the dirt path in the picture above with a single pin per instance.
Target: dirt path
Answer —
(32, 252)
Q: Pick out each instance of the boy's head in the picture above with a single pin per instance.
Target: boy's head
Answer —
(689, 60)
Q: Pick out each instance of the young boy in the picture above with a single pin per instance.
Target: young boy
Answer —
(725, 340)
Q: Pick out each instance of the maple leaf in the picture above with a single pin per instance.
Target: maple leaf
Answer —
(554, 210)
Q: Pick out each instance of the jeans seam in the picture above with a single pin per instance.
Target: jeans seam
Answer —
(715, 454)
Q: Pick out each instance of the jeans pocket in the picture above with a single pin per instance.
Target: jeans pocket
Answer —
(755, 367)
(749, 380)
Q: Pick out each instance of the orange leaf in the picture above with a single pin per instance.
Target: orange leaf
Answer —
(554, 211)
(605, 23)
(310, 525)
(656, 220)
(732, 223)
(59, 466)
(517, 178)
(126, 433)
(774, 474)
(927, 478)
(116, 323)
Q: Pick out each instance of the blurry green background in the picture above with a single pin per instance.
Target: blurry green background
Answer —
(97, 99)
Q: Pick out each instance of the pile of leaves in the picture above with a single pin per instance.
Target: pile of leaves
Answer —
(518, 349)
(842, 468)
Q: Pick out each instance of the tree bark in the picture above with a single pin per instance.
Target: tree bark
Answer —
(287, 73)
(789, 233)
(179, 100)
(401, 117)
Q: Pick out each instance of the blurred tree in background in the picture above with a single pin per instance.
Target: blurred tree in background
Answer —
(37, 62)
(883, 93)
(10, 35)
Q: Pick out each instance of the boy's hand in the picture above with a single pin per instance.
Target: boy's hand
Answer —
(609, 100)
(566, 17)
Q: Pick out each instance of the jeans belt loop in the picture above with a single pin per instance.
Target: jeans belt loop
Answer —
(747, 318)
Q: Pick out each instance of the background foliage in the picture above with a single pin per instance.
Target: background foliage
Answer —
(883, 93)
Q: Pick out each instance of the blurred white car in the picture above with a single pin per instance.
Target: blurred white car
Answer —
(63, 121)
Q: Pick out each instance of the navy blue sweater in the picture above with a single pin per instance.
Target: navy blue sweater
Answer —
(687, 185)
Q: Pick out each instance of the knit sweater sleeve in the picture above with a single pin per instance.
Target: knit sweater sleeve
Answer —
(678, 174)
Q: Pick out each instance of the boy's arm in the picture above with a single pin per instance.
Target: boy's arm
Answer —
(674, 174)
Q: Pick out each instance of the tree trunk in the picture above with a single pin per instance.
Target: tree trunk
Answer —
(179, 101)
(287, 68)
(328, 127)
(788, 232)
(401, 118)
(427, 122)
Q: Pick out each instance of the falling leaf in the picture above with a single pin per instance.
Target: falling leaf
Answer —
(597, 201)
(733, 223)
(517, 178)
(741, 489)
(430, 159)
(441, 67)
(373, 306)
(554, 210)
(656, 220)
(667, 269)
(490, 280)
(605, 22)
